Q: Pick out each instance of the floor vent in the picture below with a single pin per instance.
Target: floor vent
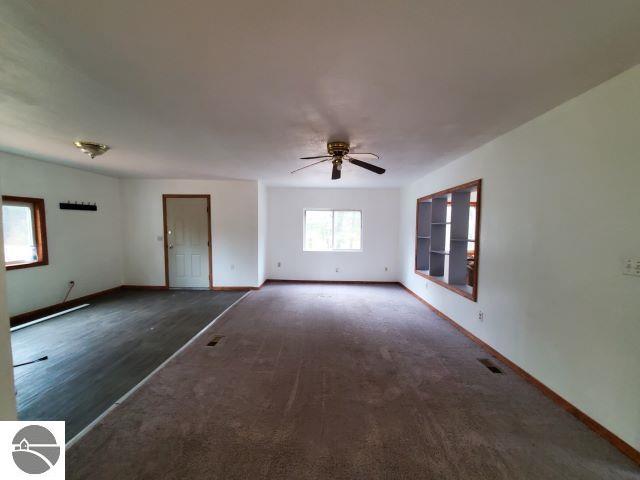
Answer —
(490, 365)
(214, 341)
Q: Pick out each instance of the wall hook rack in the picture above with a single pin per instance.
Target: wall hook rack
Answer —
(88, 206)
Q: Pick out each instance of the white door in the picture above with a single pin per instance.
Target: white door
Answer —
(188, 242)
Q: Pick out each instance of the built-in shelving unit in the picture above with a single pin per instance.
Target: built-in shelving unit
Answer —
(447, 248)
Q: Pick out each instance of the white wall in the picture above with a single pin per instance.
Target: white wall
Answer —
(85, 247)
(262, 233)
(560, 211)
(234, 226)
(380, 223)
(7, 391)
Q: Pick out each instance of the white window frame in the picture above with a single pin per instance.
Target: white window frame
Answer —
(332, 250)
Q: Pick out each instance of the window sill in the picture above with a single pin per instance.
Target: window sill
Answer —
(17, 266)
(471, 295)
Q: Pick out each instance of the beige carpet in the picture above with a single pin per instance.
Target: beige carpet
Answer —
(339, 382)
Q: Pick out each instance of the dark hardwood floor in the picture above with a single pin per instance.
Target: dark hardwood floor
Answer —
(100, 352)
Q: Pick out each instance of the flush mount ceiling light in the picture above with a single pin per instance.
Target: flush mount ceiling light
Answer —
(91, 148)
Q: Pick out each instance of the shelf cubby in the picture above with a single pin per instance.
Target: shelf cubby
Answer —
(460, 203)
(423, 239)
(438, 235)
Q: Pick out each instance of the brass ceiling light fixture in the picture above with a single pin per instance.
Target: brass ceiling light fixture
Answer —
(92, 149)
(337, 153)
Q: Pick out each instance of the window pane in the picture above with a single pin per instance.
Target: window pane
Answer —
(19, 238)
(317, 229)
(347, 231)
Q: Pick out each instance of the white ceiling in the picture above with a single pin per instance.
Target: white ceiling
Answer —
(240, 89)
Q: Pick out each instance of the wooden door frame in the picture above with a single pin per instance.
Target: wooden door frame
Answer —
(165, 197)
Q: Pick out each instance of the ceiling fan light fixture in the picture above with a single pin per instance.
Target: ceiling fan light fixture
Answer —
(92, 149)
(337, 153)
(338, 149)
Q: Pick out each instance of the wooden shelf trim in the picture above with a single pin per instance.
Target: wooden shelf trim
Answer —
(432, 257)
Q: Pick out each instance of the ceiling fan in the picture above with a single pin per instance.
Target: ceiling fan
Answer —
(338, 152)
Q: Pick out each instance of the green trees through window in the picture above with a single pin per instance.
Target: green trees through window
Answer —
(332, 230)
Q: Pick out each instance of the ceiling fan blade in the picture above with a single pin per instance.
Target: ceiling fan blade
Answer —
(365, 153)
(310, 165)
(337, 171)
(368, 166)
(317, 156)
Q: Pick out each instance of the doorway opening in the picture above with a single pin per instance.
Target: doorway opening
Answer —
(187, 241)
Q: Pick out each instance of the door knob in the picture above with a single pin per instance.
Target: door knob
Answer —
(171, 245)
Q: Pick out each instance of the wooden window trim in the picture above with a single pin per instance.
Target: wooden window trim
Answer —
(40, 231)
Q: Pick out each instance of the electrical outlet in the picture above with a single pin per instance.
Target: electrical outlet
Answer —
(481, 316)
(337, 269)
(631, 266)
(386, 269)
(279, 264)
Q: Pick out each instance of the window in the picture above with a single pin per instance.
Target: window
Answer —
(332, 230)
(25, 238)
